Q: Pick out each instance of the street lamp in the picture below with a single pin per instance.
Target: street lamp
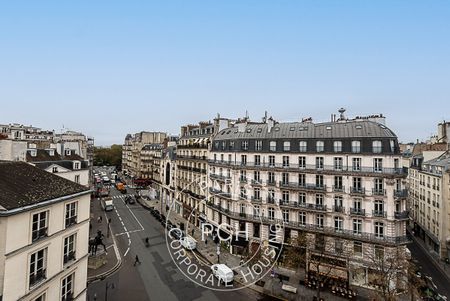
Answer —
(107, 286)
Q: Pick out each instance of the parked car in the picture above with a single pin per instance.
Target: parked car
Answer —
(222, 272)
(176, 233)
(188, 243)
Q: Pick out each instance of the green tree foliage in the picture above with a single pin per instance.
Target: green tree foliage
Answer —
(111, 156)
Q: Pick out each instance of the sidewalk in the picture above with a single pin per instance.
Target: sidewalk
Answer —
(112, 257)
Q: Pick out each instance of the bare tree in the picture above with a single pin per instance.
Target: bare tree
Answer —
(324, 256)
(393, 273)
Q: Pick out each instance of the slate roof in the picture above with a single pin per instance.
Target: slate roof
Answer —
(43, 155)
(348, 129)
(22, 184)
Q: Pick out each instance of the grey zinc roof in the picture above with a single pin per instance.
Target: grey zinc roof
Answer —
(298, 130)
(22, 184)
(443, 161)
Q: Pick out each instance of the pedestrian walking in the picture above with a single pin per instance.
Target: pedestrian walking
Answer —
(136, 260)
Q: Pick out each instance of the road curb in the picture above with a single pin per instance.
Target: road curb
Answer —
(111, 271)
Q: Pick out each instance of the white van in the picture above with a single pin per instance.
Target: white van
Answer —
(107, 204)
(188, 243)
(223, 273)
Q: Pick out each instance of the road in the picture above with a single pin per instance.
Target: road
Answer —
(157, 277)
(429, 269)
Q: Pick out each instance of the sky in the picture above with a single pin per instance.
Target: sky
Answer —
(108, 68)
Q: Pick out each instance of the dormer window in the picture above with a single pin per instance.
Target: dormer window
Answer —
(33, 152)
(68, 152)
(319, 146)
(54, 169)
(51, 152)
(76, 165)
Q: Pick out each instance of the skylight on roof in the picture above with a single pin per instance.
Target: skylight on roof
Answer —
(259, 130)
(329, 128)
(292, 128)
(249, 130)
(358, 127)
(277, 129)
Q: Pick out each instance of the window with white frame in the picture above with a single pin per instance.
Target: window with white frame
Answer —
(302, 218)
(378, 165)
(271, 161)
(302, 197)
(257, 193)
(271, 177)
(271, 213)
(76, 165)
(338, 223)
(357, 226)
(245, 145)
(271, 195)
(319, 162)
(257, 160)
(379, 229)
(69, 248)
(319, 146)
(319, 199)
(285, 196)
(273, 146)
(377, 146)
(257, 176)
(71, 214)
(301, 180)
(67, 287)
(338, 163)
(258, 145)
(39, 225)
(285, 161)
(319, 181)
(356, 164)
(301, 162)
(286, 146)
(319, 220)
(37, 268)
(302, 146)
(337, 146)
(54, 169)
(286, 215)
(77, 179)
(256, 211)
(243, 159)
(243, 193)
(285, 178)
(356, 147)
(242, 209)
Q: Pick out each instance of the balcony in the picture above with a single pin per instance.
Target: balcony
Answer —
(400, 193)
(71, 221)
(348, 234)
(271, 183)
(379, 213)
(378, 191)
(219, 192)
(256, 182)
(314, 207)
(69, 257)
(401, 215)
(243, 180)
(219, 177)
(358, 190)
(202, 158)
(256, 199)
(38, 277)
(339, 209)
(357, 211)
(338, 188)
(38, 234)
(270, 201)
(243, 197)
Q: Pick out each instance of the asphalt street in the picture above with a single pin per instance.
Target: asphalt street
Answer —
(157, 277)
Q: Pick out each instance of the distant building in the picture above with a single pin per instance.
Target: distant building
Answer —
(44, 232)
(131, 150)
(21, 143)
